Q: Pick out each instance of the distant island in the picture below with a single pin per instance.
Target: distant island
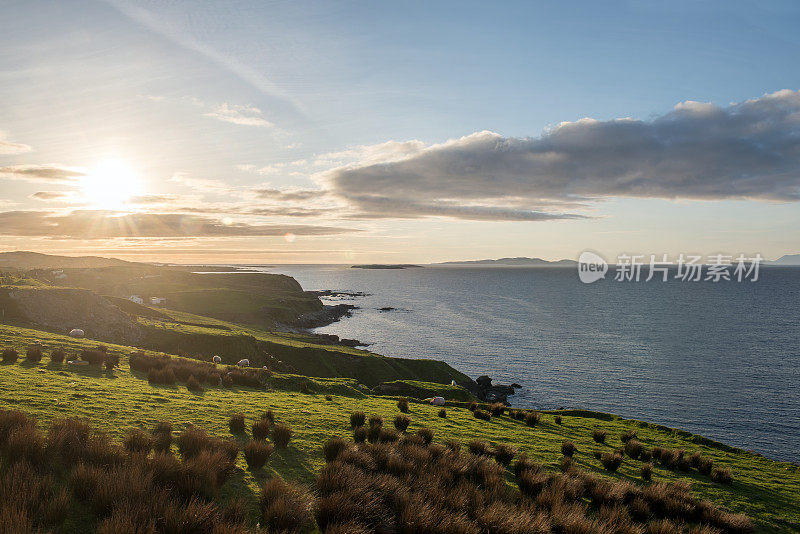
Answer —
(386, 266)
(515, 262)
(788, 259)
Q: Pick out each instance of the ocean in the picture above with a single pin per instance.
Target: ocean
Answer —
(717, 359)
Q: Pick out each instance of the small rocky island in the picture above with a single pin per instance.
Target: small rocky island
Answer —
(387, 266)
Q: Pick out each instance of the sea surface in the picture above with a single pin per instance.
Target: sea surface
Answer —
(717, 359)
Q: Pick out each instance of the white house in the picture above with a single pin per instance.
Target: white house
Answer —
(136, 298)
(158, 301)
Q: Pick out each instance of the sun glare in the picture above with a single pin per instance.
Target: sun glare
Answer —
(109, 184)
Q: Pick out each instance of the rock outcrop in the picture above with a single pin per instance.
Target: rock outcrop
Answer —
(483, 389)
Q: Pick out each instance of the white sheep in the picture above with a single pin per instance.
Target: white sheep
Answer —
(76, 332)
(216, 359)
(437, 401)
(243, 363)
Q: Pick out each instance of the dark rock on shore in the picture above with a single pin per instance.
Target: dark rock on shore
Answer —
(385, 309)
(483, 389)
(333, 339)
(327, 315)
(339, 294)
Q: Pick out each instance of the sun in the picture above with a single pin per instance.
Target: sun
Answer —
(110, 184)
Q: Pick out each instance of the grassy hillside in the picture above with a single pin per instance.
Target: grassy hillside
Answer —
(116, 401)
(22, 260)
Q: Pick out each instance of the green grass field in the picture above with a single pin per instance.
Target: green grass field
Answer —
(116, 401)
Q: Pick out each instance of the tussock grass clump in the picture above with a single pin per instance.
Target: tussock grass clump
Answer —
(236, 423)
(611, 461)
(497, 409)
(482, 414)
(161, 376)
(504, 453)
(722, 475)
(261, 428)
(633, 448)
(357, 419)
(532, 418)
(9, 355)
(281, 435)
(402, 405)
(285, 507)
(558, 419)
(442, 413)
(388, 435)
(479, 447)
(94, 356)
(628, 435)
(694, 459)
(401, 422)
(646, 471)
(257, 452)
(138, 441)
(328, 398)
(359, 434)
(374, 433)
(333, 448)
(705, 465)
(565, 464)
(25, 444)
(58, 356)
(568, 448)
(34, 354)
(597, 455)
(599, 435)
(269, 416)
(193, 385)
(645, 455)
(472, 406)
(426, 434)
(657, 452)
(376, 421)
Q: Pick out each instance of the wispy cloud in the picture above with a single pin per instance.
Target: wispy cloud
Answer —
(749, 150)
(50, 196)
(9, 148)
(91, 224)
(42, 173)
(237, 114)
(199, 184)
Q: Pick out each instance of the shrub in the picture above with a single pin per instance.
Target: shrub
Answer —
(10, 356)
(402, 405)
(532, 418)
(257, 452)
(426, 434)
(503, 454)
(482, 414)
(497, 409)
(357, 419)
(442, 413)
(281, 435)
(599, 435)
(261, 429)
(646, 471)
(376, 420)
(192, 384)
(472, 406)
(568, 448)
(633, 448)
(558, 419)
(611, 461)
(359, 434)
(479, 447)
(401, 422)
(705, 465)
(333, 448)
(137, 441)
(34, 354)
(236, 423)
(626, 436)
(722, 475)
(93, 356)
(58, 356)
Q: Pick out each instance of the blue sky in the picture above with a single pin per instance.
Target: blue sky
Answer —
(304, 132)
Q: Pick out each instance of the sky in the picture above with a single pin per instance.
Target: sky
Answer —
(361, 132)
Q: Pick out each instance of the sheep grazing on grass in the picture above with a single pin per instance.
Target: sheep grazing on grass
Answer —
(216, 359)
(243, 363)
(437, 401)
(76, 332)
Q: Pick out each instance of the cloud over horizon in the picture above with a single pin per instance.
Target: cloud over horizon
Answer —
(9, 148)
(98, 224)
(41, 173)
(749, 150)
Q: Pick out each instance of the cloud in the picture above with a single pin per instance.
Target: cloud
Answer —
(153, 199)
(41, 173)
(90, 224)
(236, 114)
(288, 195)
(9, 148)
(199, 184)
(749, 150)
(51, 195)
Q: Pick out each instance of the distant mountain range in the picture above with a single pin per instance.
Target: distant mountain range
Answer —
(788, 259)
(515, 262)
(22, 260)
